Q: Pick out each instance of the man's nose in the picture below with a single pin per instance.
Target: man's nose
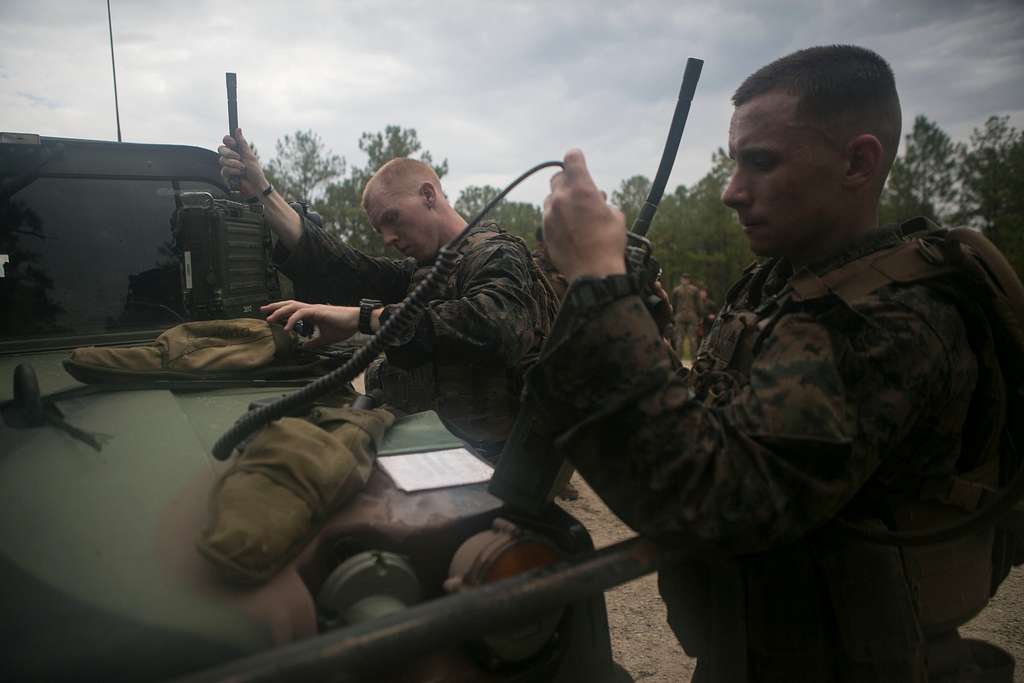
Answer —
(390, 238)
(735, 193)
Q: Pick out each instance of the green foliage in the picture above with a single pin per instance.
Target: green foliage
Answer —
(991, 175)
(630, 197)
(693, 232)
(922, 180)
(302, 165)
(518, 218)
(341, 205)
(980, 183)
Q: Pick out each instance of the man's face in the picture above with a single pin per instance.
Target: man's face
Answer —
(786, 188)
(406, 222)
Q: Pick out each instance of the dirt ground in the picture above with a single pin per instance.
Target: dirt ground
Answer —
(645, 646)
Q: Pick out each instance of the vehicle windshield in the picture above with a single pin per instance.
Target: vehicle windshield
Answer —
(89, 256)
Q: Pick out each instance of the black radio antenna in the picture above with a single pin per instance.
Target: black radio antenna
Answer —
(231, 81)
(113, 69)
(668, 157)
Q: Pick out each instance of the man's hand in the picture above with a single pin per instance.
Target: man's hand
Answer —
(336, 323)
(238, 161)
(583, 235)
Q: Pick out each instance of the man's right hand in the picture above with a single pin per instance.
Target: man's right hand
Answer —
(238, 161)
(583, 235)
(335, 323)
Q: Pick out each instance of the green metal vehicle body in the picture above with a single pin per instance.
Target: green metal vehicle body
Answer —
(101, 578)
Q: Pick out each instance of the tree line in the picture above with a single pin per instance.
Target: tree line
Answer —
(978, 183)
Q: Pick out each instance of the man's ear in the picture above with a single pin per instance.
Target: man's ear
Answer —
(864, 160)
(429, 194)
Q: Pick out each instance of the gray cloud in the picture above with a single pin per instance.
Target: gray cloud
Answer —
(492, 86)
(37, 101)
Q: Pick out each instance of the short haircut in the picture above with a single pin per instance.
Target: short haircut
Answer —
(840, 85)
(401, 176)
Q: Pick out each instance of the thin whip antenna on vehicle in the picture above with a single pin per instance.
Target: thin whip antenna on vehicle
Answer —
(113, 68)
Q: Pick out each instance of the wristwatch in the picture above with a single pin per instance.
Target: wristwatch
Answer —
(366, 308)
(597, 292)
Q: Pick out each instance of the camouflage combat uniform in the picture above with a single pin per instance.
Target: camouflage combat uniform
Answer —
(466, 356)
(795, 411)
(555, 278)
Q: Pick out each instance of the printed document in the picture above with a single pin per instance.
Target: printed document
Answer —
(436, 469)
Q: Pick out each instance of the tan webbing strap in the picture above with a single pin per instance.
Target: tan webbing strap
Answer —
(959, 492)
(911, 261)
(998, 271)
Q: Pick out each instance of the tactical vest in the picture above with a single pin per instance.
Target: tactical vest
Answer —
(478, 401)
(947, 584)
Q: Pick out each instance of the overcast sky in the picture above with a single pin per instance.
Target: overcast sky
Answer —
(493, 86)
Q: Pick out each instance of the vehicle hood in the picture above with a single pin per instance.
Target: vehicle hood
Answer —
(101, 543)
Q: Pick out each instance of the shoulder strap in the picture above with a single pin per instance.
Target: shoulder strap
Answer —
(911, 261)
(988, 263)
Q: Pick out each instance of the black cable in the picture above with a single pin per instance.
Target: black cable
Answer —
(406, 316)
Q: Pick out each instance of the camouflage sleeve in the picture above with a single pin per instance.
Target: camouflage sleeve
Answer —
(777, 460)
(495, 316)
(325, 270)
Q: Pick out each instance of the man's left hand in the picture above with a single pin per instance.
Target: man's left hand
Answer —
(336, 323)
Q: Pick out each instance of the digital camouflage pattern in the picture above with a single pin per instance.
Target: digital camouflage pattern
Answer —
(555, 278)
(468, 352)
(793, 412)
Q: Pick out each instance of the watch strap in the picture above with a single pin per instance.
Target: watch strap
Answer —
(597, 292)
(366, 309)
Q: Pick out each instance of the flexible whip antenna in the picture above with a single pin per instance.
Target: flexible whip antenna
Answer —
(668, 157)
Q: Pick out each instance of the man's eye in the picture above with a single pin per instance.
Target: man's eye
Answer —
(762, 162)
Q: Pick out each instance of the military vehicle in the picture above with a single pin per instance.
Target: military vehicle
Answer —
(105, 487)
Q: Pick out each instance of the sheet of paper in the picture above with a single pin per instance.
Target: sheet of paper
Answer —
(434, 470)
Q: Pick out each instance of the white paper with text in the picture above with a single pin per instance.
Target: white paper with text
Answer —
(435, 470)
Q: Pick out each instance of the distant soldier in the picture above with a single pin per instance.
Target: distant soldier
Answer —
(685, 306)
(707, 310)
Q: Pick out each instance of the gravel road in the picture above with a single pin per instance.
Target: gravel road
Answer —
(645, 646)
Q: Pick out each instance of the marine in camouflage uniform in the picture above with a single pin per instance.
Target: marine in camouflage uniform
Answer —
(793, 411)
(466, 356)
(809, 402)
(686, 317)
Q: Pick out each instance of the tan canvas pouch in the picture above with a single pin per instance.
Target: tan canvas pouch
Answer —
(284, 483)
(204, 349)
